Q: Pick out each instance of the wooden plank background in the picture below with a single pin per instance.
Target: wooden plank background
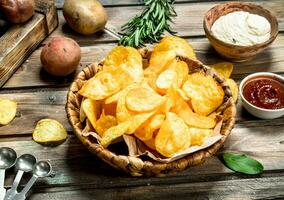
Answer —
(80, 175)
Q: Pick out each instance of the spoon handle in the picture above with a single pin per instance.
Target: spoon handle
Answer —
(13, 191)
(22, 194)
(2, 179)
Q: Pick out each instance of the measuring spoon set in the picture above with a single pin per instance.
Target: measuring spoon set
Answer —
(24, 164)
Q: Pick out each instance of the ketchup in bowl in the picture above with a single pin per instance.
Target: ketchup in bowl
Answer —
(264, 92)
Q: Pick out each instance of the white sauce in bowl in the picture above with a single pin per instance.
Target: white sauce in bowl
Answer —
(242, 28)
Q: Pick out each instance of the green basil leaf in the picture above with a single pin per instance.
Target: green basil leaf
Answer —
(242, 163)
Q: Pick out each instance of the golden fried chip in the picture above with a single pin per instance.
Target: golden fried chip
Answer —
(183, 110)
(101, 86)
(113, 133)
(199, 135)
(165, 80)
(181, 69)
(205, 93)
(104, 123)
(49, 131)
(8, 109)
(109, 109)
(234, 88)
(146, 130)
(126, 58)
(150, 143)
(168, 48)
(142, 100)
(224, 69)
(173, 136)
(92, 109)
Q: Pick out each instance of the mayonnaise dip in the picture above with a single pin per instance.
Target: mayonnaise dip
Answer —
(242, 28)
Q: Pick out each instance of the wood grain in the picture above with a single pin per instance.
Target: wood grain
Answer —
(30, 74)
(20, 40)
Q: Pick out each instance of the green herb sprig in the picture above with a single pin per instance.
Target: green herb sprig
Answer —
(242, 163)
(150, 25)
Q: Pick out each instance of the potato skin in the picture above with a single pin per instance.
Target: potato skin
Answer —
(85, 17)
(61, 56)
(17, 11)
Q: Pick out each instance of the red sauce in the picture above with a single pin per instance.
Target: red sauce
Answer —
(265, 92)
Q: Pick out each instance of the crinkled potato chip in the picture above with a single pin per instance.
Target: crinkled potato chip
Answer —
(146, 130)
(113, 133)
(49, 131)
(101, 86)
(8, 110)
(104, 123)
(183, 110)
(165, 80)
(224, 69)
(198, 135)
(205, 94)
(142, 100)
(173, 136)
(234, 88)
(127, 58)
(92, 109)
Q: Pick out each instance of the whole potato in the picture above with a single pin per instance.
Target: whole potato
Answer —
(85, 17)
(60, 56)
(17, 11)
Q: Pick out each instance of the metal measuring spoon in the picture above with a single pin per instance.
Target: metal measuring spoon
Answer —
(41, 169)
(25, 163)
(7, 159)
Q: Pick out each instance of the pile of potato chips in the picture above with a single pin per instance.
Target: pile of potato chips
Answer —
(162, 105)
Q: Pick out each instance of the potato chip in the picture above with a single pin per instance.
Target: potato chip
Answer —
(199, 135)
(205, 94)
(8, 109)
(165, 80)
(126, 58)
(183, 110)
(104, 123)
(92, 109)
(142, 100)
(173, 136)
(150, 143)
(109, 109)
(181, 69)
(113, 133)
(113, 99)
(49, 131)
(146, 130)
(168, 48)
(224, 69)
(234, 88)
(101, 86)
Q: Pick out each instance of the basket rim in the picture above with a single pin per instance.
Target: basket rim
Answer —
(135, 166)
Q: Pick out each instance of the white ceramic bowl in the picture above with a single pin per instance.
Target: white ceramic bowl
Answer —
(254, 110)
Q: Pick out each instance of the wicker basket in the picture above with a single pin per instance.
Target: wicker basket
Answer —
(137, 166)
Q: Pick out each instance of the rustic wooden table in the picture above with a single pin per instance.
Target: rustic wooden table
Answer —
(80, 175)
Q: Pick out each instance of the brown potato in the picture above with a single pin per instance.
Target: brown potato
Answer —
(17, 11)
(60, 56)
(86, 17)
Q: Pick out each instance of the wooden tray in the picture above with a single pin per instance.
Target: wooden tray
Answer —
(19, 41)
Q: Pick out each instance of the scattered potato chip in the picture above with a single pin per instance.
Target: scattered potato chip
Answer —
(146, 130)
(173, 136)
(101, 86)
(49, 131)
(183, 110)
(113, 133)
(224, 69)
(104, 123)
(205, 93)
(8, 110)
(92, 109)
(127, 58)
(198, 135)
(234, 88)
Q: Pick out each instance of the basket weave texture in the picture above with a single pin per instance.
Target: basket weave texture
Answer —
(136, 166)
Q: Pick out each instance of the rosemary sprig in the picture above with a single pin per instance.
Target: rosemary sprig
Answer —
(150, 25)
